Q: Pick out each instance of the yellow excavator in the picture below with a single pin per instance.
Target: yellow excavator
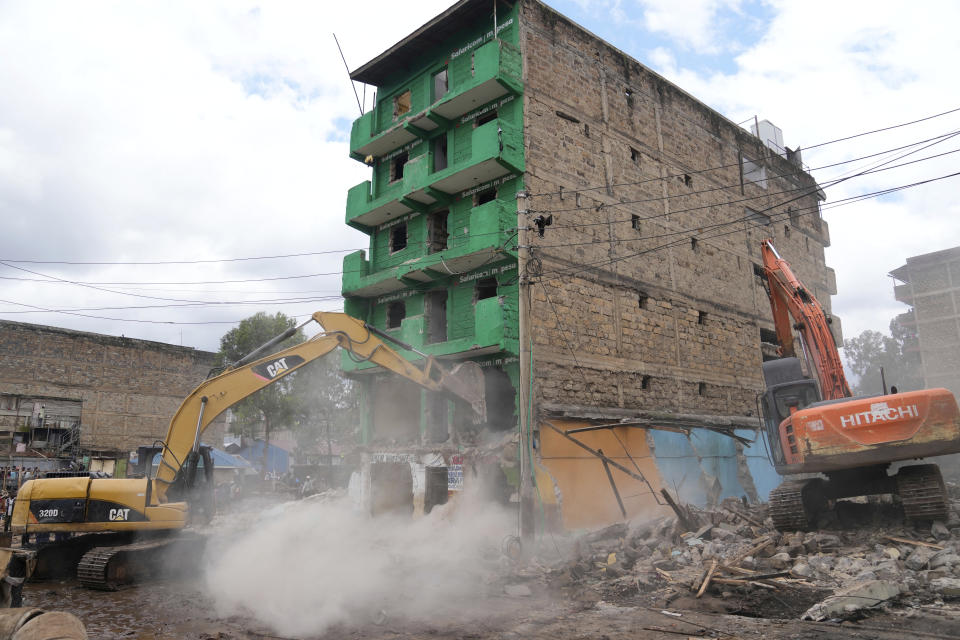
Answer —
(127, 522)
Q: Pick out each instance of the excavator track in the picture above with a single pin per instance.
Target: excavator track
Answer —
(95, 571)
(922, 492)
(795, 503)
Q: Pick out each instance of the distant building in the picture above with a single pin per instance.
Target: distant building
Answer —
(930, 283)
(72, 393)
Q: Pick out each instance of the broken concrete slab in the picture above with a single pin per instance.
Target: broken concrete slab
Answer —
(860, 595)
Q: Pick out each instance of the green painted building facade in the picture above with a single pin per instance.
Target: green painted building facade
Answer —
(445, 145)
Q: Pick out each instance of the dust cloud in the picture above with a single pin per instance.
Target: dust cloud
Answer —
(305, 566)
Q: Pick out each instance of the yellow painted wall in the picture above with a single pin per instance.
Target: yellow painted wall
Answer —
(586, 498)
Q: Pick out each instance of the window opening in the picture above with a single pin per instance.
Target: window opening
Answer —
(645, 382)
(757, 217)
(786, 231)
(754, 172)
(687, 180)
(440, 153)
(635, 221)
(396, 312)
(486, 288)
(436, 311)
(759, 271)
(398, 237)
(401, 104)
(397, 163)
(586, 130)
(769, 336)
(437, 235)
(634, 155)
(693, 243)
(485, 196)
(489, 116)
(701, 317)
(643, 300)
(440, 85)
(702, 388)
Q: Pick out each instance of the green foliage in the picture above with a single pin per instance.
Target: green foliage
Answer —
(271, 404)
(871, 350)
(306, 401)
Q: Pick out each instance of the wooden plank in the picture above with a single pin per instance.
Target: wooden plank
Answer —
(706, 581)
(914, 542)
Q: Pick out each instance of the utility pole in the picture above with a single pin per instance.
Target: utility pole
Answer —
(526, 429)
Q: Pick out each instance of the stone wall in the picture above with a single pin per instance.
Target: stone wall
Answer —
(644, 290)
(129, 389)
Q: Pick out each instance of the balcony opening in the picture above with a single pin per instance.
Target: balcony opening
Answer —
(436, 312)
(440, 84)
(635, 222)
(645, 382)
(501, 397)
(396, 312)
(397, 163)
(437, 235)
(436, 416)
(485, 196)
(440, 153)
(401, 104)
(398, 237)
(489, 116)
(486, 288)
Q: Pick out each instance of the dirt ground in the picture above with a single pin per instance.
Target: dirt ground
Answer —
(180, 609)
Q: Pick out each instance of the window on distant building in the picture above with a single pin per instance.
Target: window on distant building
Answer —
(440, 85)
(397, 163)
(401, 104)
(486, 288)
(398, 237)
(440, 153)
(396, 312)
(489, 116)
(435, 308)
(485, 196)
(437, 231)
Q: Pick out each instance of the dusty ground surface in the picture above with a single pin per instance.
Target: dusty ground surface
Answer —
(634, 580)
(180, 609)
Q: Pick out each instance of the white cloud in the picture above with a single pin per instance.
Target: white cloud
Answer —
(180, 131)
(691, 23)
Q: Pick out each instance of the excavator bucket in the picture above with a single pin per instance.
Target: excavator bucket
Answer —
(466, 381)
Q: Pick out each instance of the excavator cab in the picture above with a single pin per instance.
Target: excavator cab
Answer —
(788, 391)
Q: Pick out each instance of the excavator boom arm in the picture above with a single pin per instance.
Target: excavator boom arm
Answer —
(216, 395)
(788, 297)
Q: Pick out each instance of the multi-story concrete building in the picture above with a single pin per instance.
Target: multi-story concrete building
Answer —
(544, 204)
(931, 285)
(101, 396)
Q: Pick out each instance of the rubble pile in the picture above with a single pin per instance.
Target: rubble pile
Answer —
(732, 553)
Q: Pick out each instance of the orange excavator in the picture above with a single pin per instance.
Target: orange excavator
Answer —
(815, 426)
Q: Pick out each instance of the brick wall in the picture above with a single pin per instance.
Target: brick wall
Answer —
(129, 389)
(628, 312)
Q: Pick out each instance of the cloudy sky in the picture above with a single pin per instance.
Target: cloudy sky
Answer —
(167, 169)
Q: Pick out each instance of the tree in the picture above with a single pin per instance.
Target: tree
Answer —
(274, 404)
(315, 401)
(871, 350)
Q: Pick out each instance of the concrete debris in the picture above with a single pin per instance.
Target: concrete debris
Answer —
(724, 557)
(860, 595)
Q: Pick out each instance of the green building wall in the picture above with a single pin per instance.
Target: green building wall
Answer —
(483, 151)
